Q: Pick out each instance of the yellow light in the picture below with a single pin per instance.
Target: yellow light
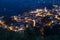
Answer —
(10, 28)
(38, 14)
(27, 26)
(1, 22)
(26, 21)
(49, 13)
(29, 19)
(52, 21)
(5, 26)
(45, 10)
(34, 23)
(15, 30)
(15, 17)
(56, 16)
(48, 24)
(37, 11)
(21, 29)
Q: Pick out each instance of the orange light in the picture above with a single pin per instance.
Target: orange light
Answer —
(15, 17)
(21, 29)
(34, 23)
(49, 13)
(27, 19)
(48, 24)
(1, 22)
(56, 16)
(37, 11)
(10, 28)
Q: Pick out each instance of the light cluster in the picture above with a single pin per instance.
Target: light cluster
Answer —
(45, 17)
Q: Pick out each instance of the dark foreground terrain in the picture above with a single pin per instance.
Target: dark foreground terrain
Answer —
(50, 34)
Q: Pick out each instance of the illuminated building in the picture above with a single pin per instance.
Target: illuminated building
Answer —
(10, 28)
(1, 22)
(15, 18)
(32, 18)
(45, 9)
(27, 25)
(49, 14)
(56, 16)
(34, 23)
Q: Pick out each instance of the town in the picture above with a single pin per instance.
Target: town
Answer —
(39, 18)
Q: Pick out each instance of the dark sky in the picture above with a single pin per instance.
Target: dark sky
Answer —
(17, 6)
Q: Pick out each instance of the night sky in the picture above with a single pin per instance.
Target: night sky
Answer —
(8, 7)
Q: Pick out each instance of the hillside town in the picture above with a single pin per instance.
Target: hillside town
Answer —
(35, 18)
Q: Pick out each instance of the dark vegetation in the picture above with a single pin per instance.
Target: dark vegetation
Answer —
(50, 34)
